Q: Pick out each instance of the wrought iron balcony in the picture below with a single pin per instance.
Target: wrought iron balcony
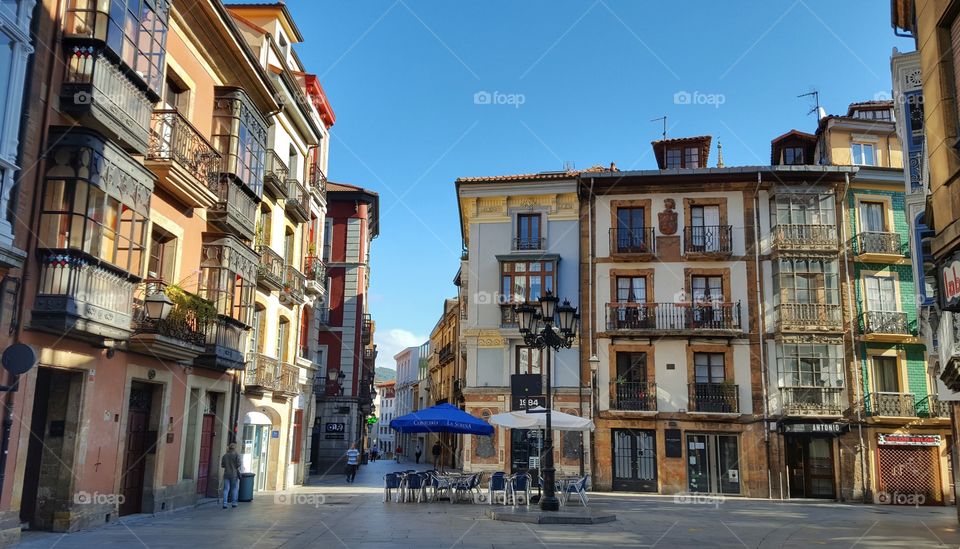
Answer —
(298, 201)
(812, 401)
(103, 97)
(316, 272)
(236, 208)
(79, 296)
(370, 354)
(288, 383)
(878, 243)
(792, 317)
(535, 243)
(293, 284)
(318, 182)
(885, 322)
(633, 396)
(262, 373)
(275, 175)
(674, 317)
(632, 241)
(718, 398)
(915, 159)
(890, 404)
(182, 335)
(270, 269)
(708, 239)
(932, 407)
(225, 343)
(366, 329)
(446, 353)
(186, 164)
(805, 237)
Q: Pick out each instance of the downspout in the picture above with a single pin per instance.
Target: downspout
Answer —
(853, 343)
(593, 330)
(761, 313)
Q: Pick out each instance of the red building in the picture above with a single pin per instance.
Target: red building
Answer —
(347, 355)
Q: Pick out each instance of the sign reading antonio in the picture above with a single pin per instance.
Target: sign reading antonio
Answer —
(949, 280)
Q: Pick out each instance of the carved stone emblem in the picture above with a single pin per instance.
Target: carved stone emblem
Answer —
(668, 217)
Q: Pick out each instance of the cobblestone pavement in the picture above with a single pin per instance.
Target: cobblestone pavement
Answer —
(332, 513)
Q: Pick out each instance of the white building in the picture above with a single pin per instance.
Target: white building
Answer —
(407, 362)
(385, 400)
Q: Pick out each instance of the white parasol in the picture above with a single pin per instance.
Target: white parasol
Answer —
(537, 419)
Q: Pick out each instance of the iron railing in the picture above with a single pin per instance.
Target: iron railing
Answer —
(932, 407)
(293, 283)
(869, 242)
(446, 353)
(318, 180)
(182, 322)
(288, 379)
(638, 240)
(635, 396)
(792, 316)
(884, 322)
(298, 201)
(708, 239)
(803, 401)
(890, 404)
(721, 398)
(805, 237)
(275, 173)
(711, 315)
(366, 329)
(270, 268)
(173, 138)
(529, 243)
(262, 371)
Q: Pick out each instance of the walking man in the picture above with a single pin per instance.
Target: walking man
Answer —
(353, 460)
(436, 455)
(231, 474)
(419, 451)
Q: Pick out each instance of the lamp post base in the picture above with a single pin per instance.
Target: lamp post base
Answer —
(549, 503)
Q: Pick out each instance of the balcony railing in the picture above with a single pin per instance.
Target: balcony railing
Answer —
(275, 174)
(318, 181)
(236, 210)
(298, 201)
(885, 322)
(262, 373)
(719, 398)
(890, 404)
(288, 382)
(805, 237)
(82, 297)
(315, 271)
(182, 334)
(812, 401)
(808, 316)
(708, 239)
(366, 330)
(632, 241)
(370, 354)
(878, 243)
(446, 353)
(932, 407)
(174, 139)
(528, 243)
(633, 396)
(225, 343)
(270, 269)
(293, 284)
(674, 316)
(915, 158)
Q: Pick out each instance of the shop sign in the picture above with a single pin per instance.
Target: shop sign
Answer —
(528, 402)
(950, 283)
(893, 439)
(673, 443)
(814, 428)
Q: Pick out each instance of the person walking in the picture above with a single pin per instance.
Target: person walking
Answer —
(419, 451)
(398, 452)
(353, 460)
(230, 462)
(436, 455)
(374, 452)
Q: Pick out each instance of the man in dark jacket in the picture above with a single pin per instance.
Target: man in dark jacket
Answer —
(231, 474)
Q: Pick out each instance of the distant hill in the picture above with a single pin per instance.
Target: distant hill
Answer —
(384, 374)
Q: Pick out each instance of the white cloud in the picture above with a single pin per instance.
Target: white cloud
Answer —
(391, 342)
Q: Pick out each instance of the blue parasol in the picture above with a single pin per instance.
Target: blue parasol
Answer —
(442, 418)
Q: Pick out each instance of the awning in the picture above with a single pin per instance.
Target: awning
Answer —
(537, 419)
(442, 418)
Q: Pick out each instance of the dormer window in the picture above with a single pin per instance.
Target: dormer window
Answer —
(673, 158)
(793, 156)
(691, 157)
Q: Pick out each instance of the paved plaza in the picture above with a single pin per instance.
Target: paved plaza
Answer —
(332, 513)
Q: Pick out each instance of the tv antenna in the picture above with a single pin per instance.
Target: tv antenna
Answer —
(816, 102)
(664, 119)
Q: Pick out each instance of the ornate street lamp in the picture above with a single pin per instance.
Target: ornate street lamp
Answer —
(548, 326)
(157, 305)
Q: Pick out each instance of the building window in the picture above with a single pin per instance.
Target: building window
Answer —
(240, 136)
(806, 281)
(327, 240)
(793, 155)
(81, 216)
(673, 158)
(136, 31)
(163, 255)
(803, 209)
(297, 436)
(886, 374)
(175, 95)
(706, 288)
(283, 339)
(863, 154)
(524, 281)
(872, 217)
(632, 234)
(530, 360)
(289, 243)
(528, 232)
(631, 367)
(631, 289)
(691, 157)
(881, 293)
(708, 367)
(810, 365)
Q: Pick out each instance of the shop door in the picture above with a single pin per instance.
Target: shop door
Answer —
(526, 445)
(820, 468)
(713, 464)
(137, 446)
(909, 472)
(206, 448)
(635, 460)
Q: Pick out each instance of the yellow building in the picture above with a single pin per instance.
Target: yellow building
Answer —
(445, 373)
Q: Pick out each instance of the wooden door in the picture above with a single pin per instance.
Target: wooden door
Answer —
(134, 463)
(206, 448)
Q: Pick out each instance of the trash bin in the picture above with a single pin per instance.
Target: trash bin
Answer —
(363, 458)
(246, 487)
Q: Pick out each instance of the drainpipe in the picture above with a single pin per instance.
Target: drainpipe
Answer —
(761, 314)
(593, 330)
(853, 343)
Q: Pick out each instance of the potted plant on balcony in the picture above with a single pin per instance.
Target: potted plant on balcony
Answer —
(191, 313)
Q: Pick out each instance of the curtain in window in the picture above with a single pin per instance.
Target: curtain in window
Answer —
(881, 293)
(871, 217)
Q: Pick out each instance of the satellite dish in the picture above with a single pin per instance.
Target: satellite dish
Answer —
(19, 358)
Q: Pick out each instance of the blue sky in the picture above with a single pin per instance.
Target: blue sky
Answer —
(572, 81)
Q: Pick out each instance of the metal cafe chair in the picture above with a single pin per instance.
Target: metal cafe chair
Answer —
(579, 488)
(391, 482)
(519, 484)
(497, 485)
(415, 485)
